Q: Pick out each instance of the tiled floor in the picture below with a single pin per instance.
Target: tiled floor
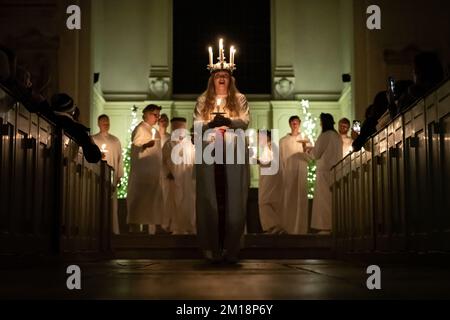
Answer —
(196, 279)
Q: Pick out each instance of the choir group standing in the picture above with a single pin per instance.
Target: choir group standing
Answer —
(283, 198)
(161, 193)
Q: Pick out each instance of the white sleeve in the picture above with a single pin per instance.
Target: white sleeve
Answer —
(120, 166)
(243, 120)
(320, 147)
(140, 137)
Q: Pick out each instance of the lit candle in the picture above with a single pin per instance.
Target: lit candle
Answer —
(231, 55)
(104, 150)
(153, 133)
(218, 103)
(210, 56)
(234, 51)
(221, 49)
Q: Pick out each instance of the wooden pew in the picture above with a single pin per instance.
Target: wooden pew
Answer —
(52, 201)
(394, 195)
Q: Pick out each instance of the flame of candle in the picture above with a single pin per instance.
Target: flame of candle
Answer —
(153, 133)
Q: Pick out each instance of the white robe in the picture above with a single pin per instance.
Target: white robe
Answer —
(165, 186)
(144, 199)
(113, 156)
(180, 204)
(238, 182)
(165, 138)
(346, 145)
(270, 192)
(294, 169)
(327, 152)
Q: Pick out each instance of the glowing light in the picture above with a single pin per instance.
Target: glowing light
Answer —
(126, 154)
(309, 128)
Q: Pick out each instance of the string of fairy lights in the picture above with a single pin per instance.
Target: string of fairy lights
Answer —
(309, 128)
(126, 155)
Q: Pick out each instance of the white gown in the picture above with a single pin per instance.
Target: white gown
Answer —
(238, 182)
(270, 193)
(113, 157)
(165, 186)
(294, 169)
(144, 200)
(346, 145)
(327, 152)
(180, 204)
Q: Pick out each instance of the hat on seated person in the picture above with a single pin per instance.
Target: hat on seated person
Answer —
(62, 103)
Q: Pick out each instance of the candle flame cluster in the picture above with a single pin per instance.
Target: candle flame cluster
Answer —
(221, 65)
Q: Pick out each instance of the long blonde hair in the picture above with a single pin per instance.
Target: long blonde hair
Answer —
(210, 98)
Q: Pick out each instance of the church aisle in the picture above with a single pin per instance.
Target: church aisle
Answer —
(196, 279)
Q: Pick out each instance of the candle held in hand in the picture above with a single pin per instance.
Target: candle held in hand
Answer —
(218, 103)
(153, 133)
(104, 150)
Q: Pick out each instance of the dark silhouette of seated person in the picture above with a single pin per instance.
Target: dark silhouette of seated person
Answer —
(16, 81)
(428, 73)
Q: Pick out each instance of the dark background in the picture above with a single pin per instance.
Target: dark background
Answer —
(199, 24)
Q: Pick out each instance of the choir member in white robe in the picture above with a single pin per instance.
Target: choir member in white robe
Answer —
(270, 189)
(111, 150)
(327, 152)
(144, 199)
(294, 170)
(178, 163)
(163, 123)
(344, 127)
(222, 189)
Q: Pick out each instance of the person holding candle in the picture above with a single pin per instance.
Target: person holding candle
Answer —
(327, 152)
(144, 195)
(294, 172)
(111, 150)
(221, 197)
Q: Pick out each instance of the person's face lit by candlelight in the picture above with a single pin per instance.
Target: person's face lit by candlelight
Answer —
(221, 82)
(151, 117)
(103, 124)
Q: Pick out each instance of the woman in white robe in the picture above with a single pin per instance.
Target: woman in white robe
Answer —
(111, 150)
(327, 152)
(163, 123)
(234, 178)
(270, 189)
(144, 199)
(180, 204)
(294, 169)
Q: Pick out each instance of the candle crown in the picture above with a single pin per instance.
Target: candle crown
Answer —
(222, 64)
